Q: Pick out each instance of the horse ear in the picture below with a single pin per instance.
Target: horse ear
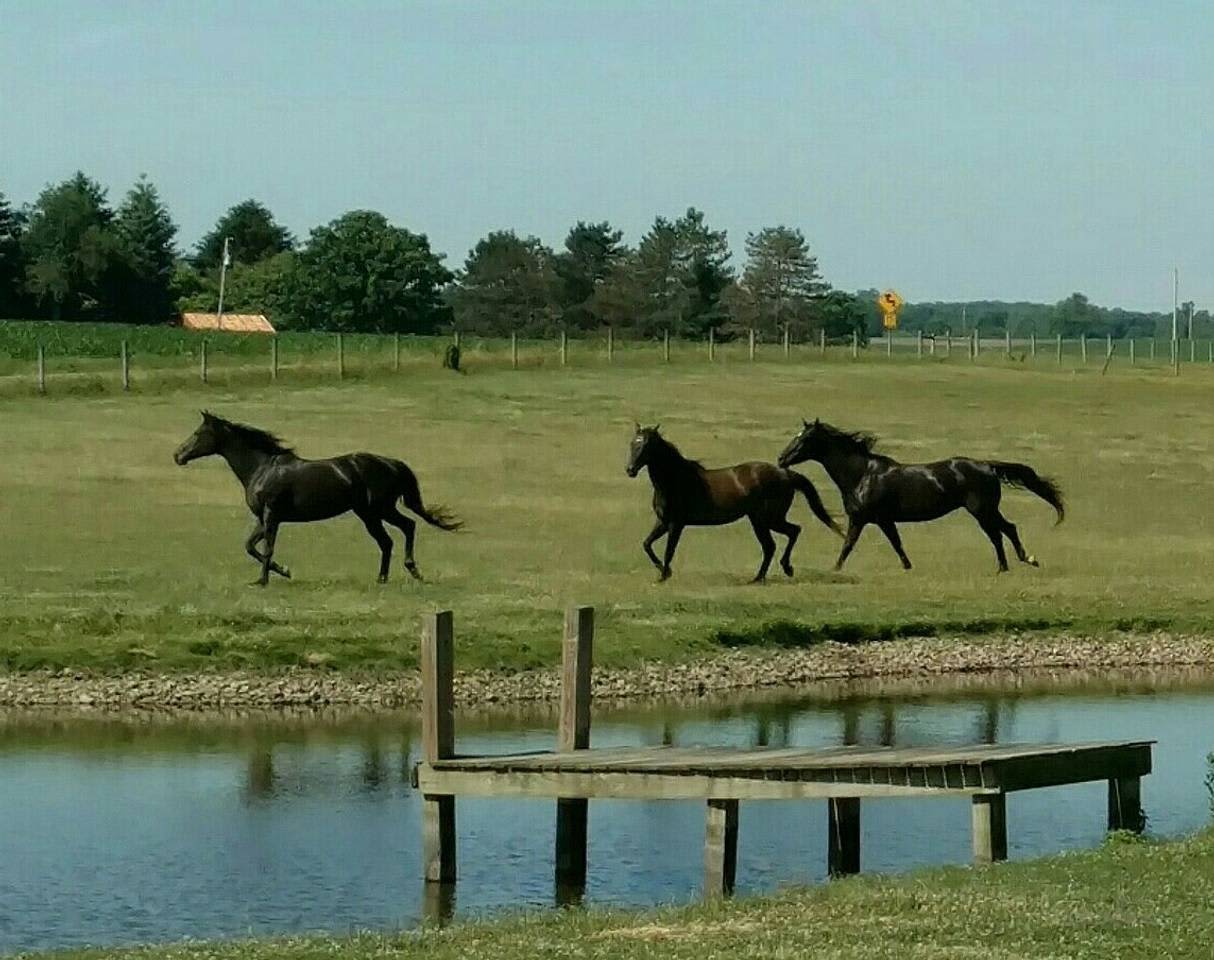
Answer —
(805, 423)
(637, 425)
(657, 428)
(817, 421)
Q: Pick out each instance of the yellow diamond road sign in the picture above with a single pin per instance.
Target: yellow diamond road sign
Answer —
(890, 303)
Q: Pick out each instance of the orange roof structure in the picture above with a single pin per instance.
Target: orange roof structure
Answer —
(232, 322)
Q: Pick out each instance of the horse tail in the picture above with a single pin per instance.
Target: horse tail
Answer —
(1023, 476)
(810, 492)
(411, 494)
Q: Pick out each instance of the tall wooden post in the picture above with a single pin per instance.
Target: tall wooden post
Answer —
(919, 344)
(752, 343)
(712, 344)
(274, 357)
(610, 344)
(1125, 805)
(822, 341)
(564, 348)
(977, 343)
(1083, 349)
(577, 652)
(1131, 351)
(855, 344)
(1152, 348)
(41, 369)
(666, 346)
(1007, 341)
(396, 353)
(513, 350)
(989, 814)
(126, 367)
(202, 361)
(787, 345)
(341, 357)
(948, 342)
(438, 742)
(1058, 347)
(720, 848)
(843, 839)
(1033, 344)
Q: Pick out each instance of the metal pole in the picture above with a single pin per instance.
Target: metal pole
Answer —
(223, 275)
(889, 343)
(1175, 300)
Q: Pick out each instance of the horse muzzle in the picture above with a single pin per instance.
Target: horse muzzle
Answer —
(631, 470)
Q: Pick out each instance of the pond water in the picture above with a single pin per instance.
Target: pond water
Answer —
(133, 828)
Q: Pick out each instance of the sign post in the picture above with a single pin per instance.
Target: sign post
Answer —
(890, 303)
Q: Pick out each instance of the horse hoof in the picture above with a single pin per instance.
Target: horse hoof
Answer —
(381, 579)
(788, 571)
(285, 573)
(1032, 562)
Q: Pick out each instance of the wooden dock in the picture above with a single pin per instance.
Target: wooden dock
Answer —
(722, 777)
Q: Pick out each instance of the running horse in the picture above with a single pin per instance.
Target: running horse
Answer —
(686, 494)
(282, 487)
(879, 490)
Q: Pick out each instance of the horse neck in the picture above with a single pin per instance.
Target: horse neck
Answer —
(668, 467)
(244, 460)
(846, 467)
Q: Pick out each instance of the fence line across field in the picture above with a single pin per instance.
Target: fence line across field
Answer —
(750, 346)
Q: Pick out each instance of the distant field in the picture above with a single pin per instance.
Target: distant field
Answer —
(113, 557)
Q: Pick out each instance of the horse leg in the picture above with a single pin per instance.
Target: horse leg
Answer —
(409, 528)
(659, 529)
(792, 531)
(768, 543)
(270, 536)
(854, 529)
(890, 529)
(672, 542)
(250, 546)
(375, 527)
(1009, 531)
(993, 529)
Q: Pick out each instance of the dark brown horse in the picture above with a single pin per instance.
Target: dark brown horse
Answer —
(878, 489)
(686, 494)
(281, 487)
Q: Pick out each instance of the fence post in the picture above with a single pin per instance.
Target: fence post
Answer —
(1007, 341)
(274, 357)
(1152, 348)
(666, 346)
(855, 344)
(1059, 348)
(977, 345)
(438, 742)
(786, 344)
(41, 369)
(564, 348)
(1083, 349)
(1211, 345)
(822, 341)
(610, 344)
(396, 353)
(919, 344)
(752, 343)
(1033, 344)
(1108, 344)
(202, 361)
(126, 367)
(712, 344)
(574, 734)
(1131, 351)
(513, 350)
(931, 346)
(948, 341)
(341, 357)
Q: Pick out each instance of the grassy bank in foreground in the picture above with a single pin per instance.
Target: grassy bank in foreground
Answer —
(114, 559)
(1129, 899)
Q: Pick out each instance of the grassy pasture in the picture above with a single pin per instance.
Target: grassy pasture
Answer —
(114, 558)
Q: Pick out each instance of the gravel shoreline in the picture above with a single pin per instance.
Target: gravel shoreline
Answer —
(733, 671)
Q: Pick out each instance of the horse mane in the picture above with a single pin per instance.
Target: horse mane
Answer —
(671, 451)
(254, 437)
(854, 441)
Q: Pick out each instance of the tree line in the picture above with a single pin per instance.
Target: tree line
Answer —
(70, 255)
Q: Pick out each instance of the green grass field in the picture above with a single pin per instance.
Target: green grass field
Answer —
(1129, 899)
(115, 558)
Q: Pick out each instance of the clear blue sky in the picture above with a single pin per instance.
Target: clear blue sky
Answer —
(950, 150)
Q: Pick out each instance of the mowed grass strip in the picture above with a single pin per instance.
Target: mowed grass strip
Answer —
(114, 558)
(1129, 899)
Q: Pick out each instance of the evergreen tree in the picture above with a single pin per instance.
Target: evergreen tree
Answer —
(144, 232)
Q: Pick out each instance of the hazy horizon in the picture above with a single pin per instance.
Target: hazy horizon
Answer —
(951, 151)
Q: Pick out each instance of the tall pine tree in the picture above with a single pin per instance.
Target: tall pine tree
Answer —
(144, 233)
(12, 263)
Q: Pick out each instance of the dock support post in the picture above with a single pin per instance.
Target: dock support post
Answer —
(990, 828)
(720, 848)
(1125, 804)
(843, 842)
(574, 734)
(438, 743)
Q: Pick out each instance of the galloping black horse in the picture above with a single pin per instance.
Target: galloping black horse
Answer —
(281, 487)
(877, 489)
(687, 494)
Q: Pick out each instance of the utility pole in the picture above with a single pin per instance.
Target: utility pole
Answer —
(223, 275)
(1175, 302)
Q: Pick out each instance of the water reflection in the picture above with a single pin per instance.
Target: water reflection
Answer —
(121, 827)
